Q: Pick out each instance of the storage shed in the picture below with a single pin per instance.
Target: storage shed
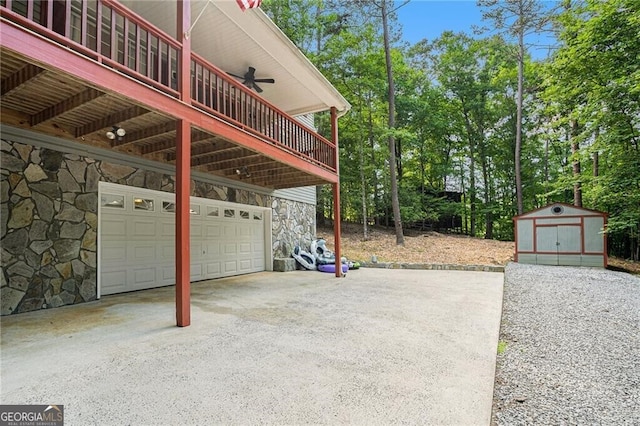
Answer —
(561, 234)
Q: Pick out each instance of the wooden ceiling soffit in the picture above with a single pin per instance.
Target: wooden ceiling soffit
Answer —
(66, 105)
(220, 155)
(171, 145)
(18, 78)
(149, 132)
(291, 181)
(265, 169)
(110, 120)
(237, 162)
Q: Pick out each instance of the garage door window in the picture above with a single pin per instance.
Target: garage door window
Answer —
(244, 214)
(143, 204)
(257, 215)
(168, 207)
(112, 201)
(213, 211)
(194, 209)
(229, 213)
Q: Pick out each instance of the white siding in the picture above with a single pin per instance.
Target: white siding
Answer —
(304, 194)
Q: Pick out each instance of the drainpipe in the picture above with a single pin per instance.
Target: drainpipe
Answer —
(183, 173)
(336, 195)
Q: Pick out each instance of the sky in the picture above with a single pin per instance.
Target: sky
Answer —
(428, 19)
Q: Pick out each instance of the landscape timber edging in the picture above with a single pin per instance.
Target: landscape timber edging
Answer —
(434, 266)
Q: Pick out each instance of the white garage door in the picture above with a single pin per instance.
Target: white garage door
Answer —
(137, 238)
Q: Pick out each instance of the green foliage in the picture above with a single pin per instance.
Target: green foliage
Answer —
(456, 113)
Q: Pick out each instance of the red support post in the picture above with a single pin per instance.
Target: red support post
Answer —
(336, 195)
(183, 177)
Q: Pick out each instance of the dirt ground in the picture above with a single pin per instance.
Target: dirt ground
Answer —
(432, 247)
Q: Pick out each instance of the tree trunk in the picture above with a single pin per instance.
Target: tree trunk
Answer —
(575, 149)
(395, 203)
(488, 232)
(518, 147)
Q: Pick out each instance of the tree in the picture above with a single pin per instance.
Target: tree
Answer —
(517, 18)
(594, 80)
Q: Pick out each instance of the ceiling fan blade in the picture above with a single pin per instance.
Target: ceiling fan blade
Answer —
(264, 80)
(258, 88)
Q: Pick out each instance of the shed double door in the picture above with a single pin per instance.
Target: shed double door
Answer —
(558, 241)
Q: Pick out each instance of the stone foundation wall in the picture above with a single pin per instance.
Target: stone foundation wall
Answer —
(49, 222)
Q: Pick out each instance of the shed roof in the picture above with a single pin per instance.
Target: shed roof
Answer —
(567, 209)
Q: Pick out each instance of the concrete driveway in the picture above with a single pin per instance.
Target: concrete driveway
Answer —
(377, 347)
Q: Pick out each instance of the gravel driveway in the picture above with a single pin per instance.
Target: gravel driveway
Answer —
(572, 353)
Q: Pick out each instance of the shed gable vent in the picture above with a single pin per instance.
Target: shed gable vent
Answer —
(557, 210)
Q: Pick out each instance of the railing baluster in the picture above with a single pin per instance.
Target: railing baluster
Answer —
(49, 14)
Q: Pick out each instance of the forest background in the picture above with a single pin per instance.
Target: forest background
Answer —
(466, 131)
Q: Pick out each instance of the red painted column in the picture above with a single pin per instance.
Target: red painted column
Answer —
(183, 175)
(336, 194)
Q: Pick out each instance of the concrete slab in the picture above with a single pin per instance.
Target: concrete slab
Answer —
(376, 347)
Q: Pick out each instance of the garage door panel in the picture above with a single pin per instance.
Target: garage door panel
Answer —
(244, 231)
(230, 248)
(230, 266)
(116, 227)
(143, 228)
(258, 263)
(167, 228)
(213, 231)
(168, 274)
(143, 252)
(196, 229)
(244, 248)
(113, 252)
(245, 265)
(213, 269)
(114, 281)
(196, 272)
(167, 251)
(213, 249)
(144, 276)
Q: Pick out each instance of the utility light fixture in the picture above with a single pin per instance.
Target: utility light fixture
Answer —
(116, 132)
(243, 172)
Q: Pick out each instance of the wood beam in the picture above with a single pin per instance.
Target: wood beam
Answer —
(337, 220)
(110, 120)
(66, 105)
(18, 78)
(183, 174)
(149, 132)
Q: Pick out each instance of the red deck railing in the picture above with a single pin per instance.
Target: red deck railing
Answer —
(109, 33)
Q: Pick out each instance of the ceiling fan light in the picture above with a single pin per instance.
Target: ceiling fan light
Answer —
(120, 132)
(111, 135)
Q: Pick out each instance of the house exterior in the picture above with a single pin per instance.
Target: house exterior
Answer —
(131, 158)
(561, 234)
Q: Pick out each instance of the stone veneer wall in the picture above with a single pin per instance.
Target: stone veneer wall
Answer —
(49, 222)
